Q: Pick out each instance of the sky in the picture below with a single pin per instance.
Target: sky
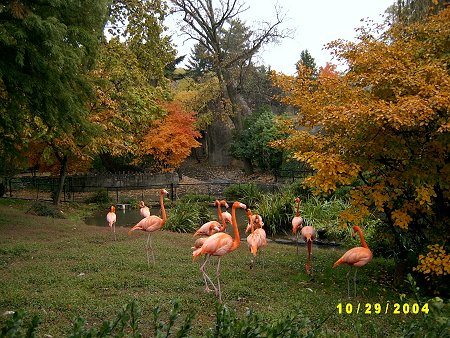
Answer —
(315, 23)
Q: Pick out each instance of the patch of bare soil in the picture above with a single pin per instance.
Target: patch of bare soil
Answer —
(193, 172)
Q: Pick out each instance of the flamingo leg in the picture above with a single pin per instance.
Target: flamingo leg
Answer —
(114, 227)
(148, 247)
(308, 262)
(297, 242)
(218, 280)
(205, 276)
(348, 281)
(354, 281)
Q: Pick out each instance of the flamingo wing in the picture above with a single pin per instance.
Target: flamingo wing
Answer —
(308, 232)
(215, 245)
(358, 256)
(297, 222)
(207, 228)
(149, 224)
(144, 211)
(111, 218)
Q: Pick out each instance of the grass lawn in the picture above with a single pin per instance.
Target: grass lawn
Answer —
(60, 269)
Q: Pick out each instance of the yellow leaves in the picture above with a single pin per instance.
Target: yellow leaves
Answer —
(401, 219)
(435, 263)
(424, 195)
(331, 170)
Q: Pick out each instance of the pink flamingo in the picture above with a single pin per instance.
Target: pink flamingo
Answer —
(209, 229)
(297, 221)
(225, 214)
(220, 244)
(257, 222)
(151, 224)
(143, 209)
(111, 219)
(257, 238)
(212, 227)
(308, 234)
(358, 256)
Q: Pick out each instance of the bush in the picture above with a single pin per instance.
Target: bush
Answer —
(247, 193)
(99, 197)
(45, 209)
(187, 215)
(277, 211)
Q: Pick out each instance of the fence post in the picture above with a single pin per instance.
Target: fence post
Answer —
(117, 195)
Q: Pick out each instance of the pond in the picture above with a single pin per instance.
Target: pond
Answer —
(128, 217)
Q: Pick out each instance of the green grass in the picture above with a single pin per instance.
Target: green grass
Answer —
(60, 269)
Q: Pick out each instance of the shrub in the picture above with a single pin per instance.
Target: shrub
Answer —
(247, 193)
(99, 197)
(277, 211)
(45, 209)
(187, 215)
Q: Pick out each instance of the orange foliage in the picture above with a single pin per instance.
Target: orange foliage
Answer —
(171, 139)
(383, 126)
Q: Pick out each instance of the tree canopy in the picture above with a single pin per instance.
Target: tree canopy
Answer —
(382, 128)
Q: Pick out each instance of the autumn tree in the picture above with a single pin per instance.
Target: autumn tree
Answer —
(171, 139)
(230, 45)
(47, 50)
(382, 128)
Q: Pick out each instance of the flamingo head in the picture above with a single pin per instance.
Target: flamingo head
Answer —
(141, 204)
(164, 192)
(239, 205)
(224, 204)
(113, 208)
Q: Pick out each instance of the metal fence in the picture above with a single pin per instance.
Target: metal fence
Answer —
(41, 188)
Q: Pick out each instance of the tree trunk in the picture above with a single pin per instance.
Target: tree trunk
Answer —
(218, 139)
(62, 178)
(248, 166)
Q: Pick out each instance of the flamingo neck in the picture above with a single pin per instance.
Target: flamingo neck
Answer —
(219, 215)
(297, 213)
(361, 237)
(237, 238)
(249, 216)
(163, 209)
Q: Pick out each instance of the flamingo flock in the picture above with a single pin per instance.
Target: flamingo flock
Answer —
(214, 241)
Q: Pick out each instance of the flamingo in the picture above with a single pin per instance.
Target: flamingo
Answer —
(308, 234)
(209, 229)
(257, 238)
(257, 223)
(220, 244)
(111, 219)
(358, 256)
(151, 224)
(143, 209)
(225, 215)
(297, 221)
(212, 227)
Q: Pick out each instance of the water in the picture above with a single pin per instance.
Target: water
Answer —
(129, 217)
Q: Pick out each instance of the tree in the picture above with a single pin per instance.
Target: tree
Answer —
(46, 51)
(308, 61)
(171, 139)
(252, 143)
(215, 27)
(383, 129)
(141, 25)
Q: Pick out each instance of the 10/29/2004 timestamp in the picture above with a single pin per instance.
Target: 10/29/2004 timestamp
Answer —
(377, 308)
